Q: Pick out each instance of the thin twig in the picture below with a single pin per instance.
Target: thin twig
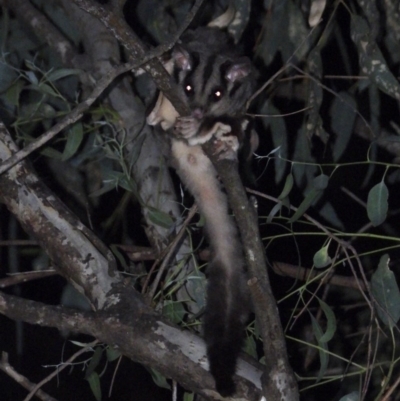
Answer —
(391, 390)
(171, 252)
(302, 273)
(114, 375)
(20, 379)
(59, 369)
(19, 278)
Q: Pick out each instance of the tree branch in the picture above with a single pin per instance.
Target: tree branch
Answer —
(278, 380)
(136, 49)
(143, 336)
(57, 230)
(42, 27)
(19, 278)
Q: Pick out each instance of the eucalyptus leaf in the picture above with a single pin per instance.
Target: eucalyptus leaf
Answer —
(94, 383)
(314, 124)
(371, 59)
(159, 379)
(328, 212)
(110, 186)
(62, 73)
(14, 91)
(386, 293)
(321, 258)
(94, 361)
(343, 114)
(331, 321)
(319, 184)
(79, 343)
(7, 76)
(45, 89)
(160, 218)
(316, 10)
(188, 396)
(353, 396)
(273, 212)
(323, 348)
(287, 187)
(74, 140)
(196, 287)
(305, 204)
(238, 25)
(377, 204)
(112, 354)
(174, 311)
(279, 135)
(303, 173)
(32, 78)
(117, 253)
(250, 347)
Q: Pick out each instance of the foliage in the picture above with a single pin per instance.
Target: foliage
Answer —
(327, 192)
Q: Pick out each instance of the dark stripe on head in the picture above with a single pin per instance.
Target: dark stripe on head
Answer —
(236, 87)
(175, 74)
(195, 59)
(208, 69)
(223, 70)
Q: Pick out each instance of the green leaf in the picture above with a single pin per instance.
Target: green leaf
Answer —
(79, 343)
(321, 258)
(188, 396)
(174, 311)
(343, 114)
(353, 396)
(8, 76)
(314, 124)
(307, 202)
(319, 184)
(94, 383)
(372, 62)
(130, 185)
(273, 212)
(323, 347)
(32, 78)
(250, 347)
(377, 204)
(112, 353)
(115, 250)
(103, 190)
(46, 89)
(196, 286)
(14, 91)
(62, 73)
(74, 139)
(43, 88)
(385, 290)
(160, 218)
(158, 379)
(277, 125)
(303, 173)
(200, 223)
(236, 29)
(331, 321)
(328, 212)
(287, 187)
(94, 362)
